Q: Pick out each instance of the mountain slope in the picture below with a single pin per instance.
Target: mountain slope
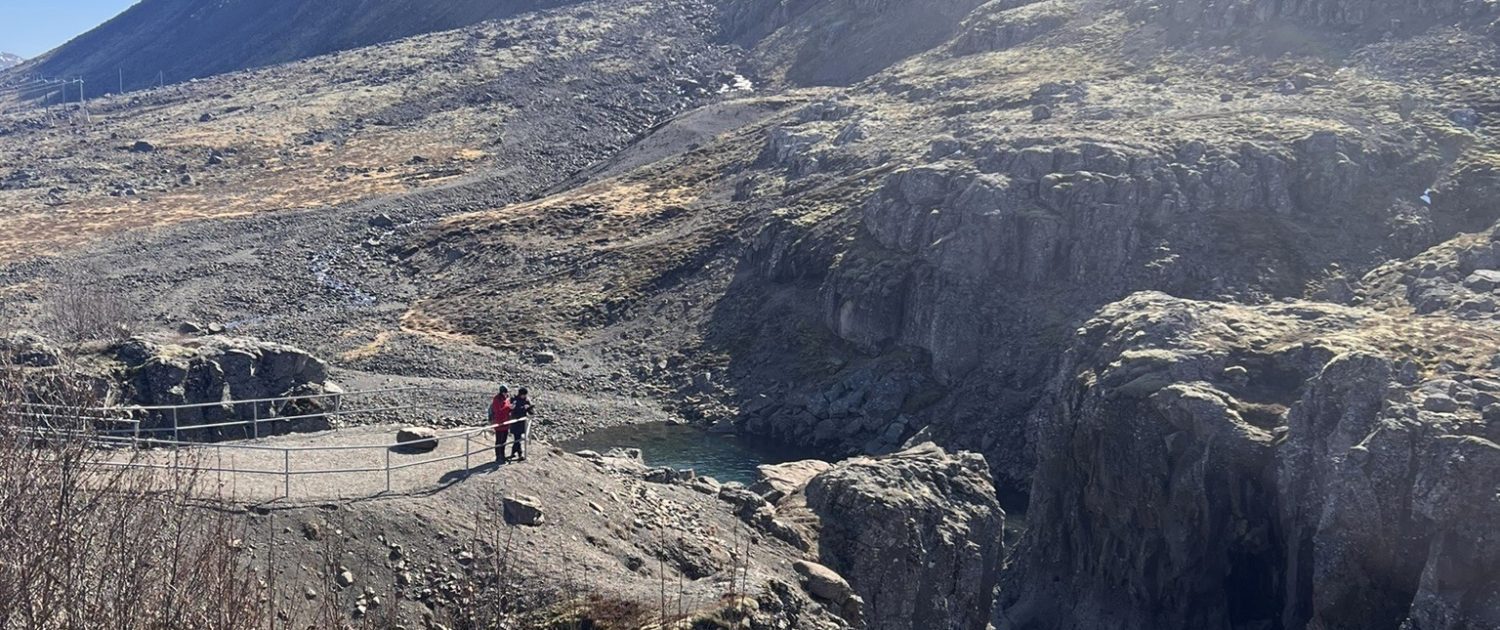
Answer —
(185, 39)
(938, 251)
(8, 60)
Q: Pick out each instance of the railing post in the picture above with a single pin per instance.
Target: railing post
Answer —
(468, 448)
(286, 470)
(387, 470)
(175, 446)
(255, 420)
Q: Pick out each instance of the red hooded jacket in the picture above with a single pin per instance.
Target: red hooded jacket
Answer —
(500, 413)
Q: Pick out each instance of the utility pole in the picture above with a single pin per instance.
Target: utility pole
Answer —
(122, 79)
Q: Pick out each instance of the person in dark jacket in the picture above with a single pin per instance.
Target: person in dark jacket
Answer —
(520, 410)
(500, 416)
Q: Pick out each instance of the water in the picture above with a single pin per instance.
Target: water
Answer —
(723, 457)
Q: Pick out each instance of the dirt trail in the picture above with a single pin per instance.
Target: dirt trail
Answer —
(299, 469)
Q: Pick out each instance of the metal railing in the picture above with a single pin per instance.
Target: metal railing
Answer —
(139, 438)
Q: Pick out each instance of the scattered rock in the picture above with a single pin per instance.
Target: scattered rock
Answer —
(744, 501)
(1483, 280)
(706, 485)
(523, 510)
(1465, 117)
(1440, 403)
(417, 439)
(624, 453)
(779, 480)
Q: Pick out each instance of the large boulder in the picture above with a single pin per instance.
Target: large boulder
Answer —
(826, 584)
(916, 533)
(417, 439)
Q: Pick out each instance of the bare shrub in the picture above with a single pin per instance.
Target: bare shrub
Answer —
(84, 545)
(79, 308)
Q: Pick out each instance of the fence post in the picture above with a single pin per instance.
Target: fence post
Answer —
(255, 420)
(387, 470)
(468, 448)
(286, 471)
(176, 447)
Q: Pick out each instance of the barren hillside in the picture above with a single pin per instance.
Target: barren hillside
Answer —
(178, 40)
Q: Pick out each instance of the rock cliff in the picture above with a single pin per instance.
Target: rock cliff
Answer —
(1295, 465)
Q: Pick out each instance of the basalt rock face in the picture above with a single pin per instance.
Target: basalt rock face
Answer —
(981, 257)
(223, 370)
(916, 533)
(1298, 465)
(1103, 218)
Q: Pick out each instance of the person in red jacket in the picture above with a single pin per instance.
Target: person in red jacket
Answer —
(500, 418)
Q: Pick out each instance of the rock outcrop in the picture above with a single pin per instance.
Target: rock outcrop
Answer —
(203, 372)
(841, 42)
(1297, 465)
(27, 349)
(916, 533)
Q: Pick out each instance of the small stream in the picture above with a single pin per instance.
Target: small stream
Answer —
(723, 457)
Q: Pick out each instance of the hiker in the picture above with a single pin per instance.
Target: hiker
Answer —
(500, 411)
(520, 407)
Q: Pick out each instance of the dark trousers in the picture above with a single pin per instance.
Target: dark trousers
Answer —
(519, 448)
(500, 446)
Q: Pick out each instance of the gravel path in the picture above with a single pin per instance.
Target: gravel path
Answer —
(263, 471)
